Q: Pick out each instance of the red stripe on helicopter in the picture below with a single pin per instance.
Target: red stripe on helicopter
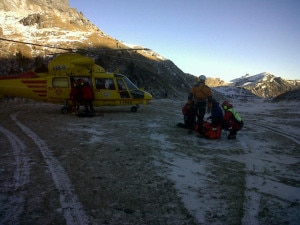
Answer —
(37, 86)
(34, 81)
(39, 91)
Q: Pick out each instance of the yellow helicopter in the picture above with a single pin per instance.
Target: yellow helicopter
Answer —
(54, 86)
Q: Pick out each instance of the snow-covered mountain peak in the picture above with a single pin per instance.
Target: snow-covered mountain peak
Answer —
(265, 85)
(248, 79)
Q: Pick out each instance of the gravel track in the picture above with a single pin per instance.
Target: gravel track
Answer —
(137, 168)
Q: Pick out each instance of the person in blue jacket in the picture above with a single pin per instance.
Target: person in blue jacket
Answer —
(216, 113)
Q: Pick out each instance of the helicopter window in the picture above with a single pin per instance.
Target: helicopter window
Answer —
(100, 83)
(121, 84)
(60, 82)
(137, 94)
(130, 85)
(105, 83)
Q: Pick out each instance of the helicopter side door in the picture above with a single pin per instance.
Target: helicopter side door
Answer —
(58, 89)
(105, 91)
(124, 93)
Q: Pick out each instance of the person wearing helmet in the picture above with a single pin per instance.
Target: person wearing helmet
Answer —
(201, 95)
(232, 120)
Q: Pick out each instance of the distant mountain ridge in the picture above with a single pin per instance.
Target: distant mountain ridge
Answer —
(58, 28)
(266, 85)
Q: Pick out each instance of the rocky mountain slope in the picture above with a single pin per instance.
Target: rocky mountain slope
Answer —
(293, 95)
(51, 27)
(33, 31)
(266, 85)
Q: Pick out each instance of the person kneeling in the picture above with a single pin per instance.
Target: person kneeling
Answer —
(213, 130)
(189, 117)
(232, 120)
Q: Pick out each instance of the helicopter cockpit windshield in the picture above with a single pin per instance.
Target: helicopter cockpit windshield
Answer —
(130, 85)
(132, 88)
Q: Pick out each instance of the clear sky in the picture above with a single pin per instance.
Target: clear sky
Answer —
(217, 38)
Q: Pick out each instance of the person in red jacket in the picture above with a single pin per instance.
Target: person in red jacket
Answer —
(232, 121)
(189, 117)
(87, 97)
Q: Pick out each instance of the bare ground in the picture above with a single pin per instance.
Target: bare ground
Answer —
(137, 168)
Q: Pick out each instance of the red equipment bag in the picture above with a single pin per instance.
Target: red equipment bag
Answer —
(211, 131)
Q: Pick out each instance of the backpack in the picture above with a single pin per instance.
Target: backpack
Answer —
(236, 117)
(211, 131)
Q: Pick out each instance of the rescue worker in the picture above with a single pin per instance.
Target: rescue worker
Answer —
(87, 97)
(201, 96)
(232, 120)
(189, 117)
(80, 84)
(74, 95)
(213, 129)
(216, 116)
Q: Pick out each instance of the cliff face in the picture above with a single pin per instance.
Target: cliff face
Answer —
(33, 20)
(19, 5)
(49, 27)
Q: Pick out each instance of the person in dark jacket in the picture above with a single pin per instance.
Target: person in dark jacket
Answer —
(212, 130)
(216, 113)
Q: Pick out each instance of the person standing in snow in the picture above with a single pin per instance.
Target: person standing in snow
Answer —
(232, 120)
(87, 97)
(201, 95)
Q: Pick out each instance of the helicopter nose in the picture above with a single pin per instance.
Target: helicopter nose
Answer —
(147, 96)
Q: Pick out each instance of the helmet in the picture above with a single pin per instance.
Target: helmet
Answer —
(226, 105)
(202, 78)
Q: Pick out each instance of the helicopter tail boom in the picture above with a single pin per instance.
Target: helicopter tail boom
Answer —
(27, 85)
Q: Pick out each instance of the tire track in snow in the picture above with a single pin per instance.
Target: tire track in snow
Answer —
(255, 183)
(72, 209)
(289, 136)
(21, 177)
(252, 197)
